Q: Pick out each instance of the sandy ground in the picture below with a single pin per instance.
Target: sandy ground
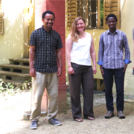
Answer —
(11, 119)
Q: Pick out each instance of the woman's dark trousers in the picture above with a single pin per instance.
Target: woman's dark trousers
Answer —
(82, 75)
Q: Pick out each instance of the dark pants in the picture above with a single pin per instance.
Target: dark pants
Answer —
(119, 81)
(82, 75)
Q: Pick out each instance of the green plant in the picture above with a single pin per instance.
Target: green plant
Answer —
(23, 85)
(4, 86)
(101, 9)
(10, 88)
(68, 102)
(68, 95)
(65, 111)
(127, 97)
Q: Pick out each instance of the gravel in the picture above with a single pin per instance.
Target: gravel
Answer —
(12, 109)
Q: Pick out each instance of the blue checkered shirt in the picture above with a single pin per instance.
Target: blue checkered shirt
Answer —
(111, 50)
(46, 44)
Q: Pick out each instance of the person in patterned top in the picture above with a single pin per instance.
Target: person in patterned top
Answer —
(45, 53)
(112, 45)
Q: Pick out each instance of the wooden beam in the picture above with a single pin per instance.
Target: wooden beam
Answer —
(98, 24)
(102, 87)
(98, 84)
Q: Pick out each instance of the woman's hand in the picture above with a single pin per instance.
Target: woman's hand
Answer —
(94, 70)
(70, 70)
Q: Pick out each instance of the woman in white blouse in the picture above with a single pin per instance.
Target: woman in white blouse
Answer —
(79, 48)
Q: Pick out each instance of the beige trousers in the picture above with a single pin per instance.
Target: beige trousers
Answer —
(50, 82)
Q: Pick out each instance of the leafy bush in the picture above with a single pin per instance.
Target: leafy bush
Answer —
(12, 88)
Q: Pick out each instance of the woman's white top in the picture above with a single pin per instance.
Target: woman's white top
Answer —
(80, 53)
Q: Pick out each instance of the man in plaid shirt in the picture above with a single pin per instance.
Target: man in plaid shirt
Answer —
(45, 52)
(110, 58)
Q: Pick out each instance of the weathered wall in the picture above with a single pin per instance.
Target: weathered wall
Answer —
(14, 38)
(127, 25)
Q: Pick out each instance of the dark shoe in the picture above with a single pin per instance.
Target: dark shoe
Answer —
(109, 114)
(121, 115)
(34, 125)
(55, 122)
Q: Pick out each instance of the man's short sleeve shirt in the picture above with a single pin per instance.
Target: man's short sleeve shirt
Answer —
(46, 44)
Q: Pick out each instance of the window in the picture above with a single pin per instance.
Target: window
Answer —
(1, 19)
(88, 9)
(93, 11)
(111, 6)
(71, 12)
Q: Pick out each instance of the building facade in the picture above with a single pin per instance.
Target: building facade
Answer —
(17, 23)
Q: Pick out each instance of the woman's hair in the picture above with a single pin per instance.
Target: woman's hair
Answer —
(74, 32)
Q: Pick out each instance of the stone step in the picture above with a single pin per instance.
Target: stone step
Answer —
(14, 68)
(20, 61)
(11, 81)
(14, 76)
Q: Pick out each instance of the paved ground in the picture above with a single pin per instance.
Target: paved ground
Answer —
(12, 107)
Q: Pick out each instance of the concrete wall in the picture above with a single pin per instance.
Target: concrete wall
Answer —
(14, 37)
(127, 25)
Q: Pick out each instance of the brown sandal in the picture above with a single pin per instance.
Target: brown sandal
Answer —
(78, 119)
(90, 118)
